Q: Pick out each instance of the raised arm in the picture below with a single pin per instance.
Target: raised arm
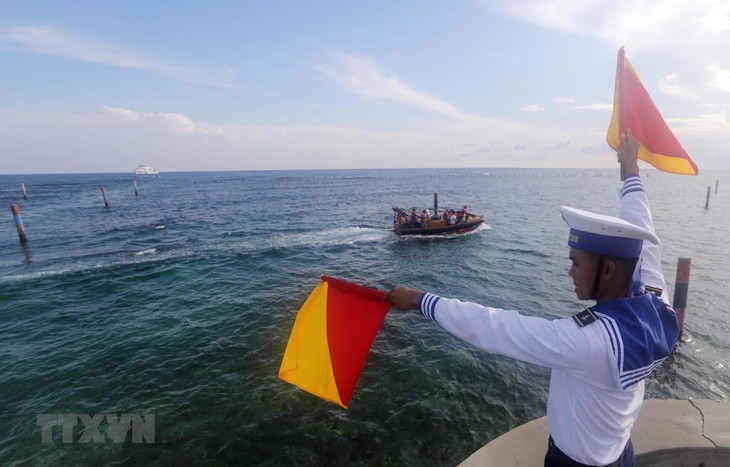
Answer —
(635, 209)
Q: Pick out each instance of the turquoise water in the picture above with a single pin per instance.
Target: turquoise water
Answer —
(179, 303)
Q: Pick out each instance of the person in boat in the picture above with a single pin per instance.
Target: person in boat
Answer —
(402, 218)
(465, 213)
(452, 217)
(415, 218)
(425, 217)
(599, 357)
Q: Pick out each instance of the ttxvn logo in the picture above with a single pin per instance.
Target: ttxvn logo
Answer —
(97, 428)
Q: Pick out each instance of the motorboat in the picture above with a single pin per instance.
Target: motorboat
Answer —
(145, 170)
(462, 222)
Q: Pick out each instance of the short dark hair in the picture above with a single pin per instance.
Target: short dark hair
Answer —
(627, 267)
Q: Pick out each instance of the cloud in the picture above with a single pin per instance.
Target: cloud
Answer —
(595, 149)
(672, 86)
(561, 145)
(363, 76)
(171, 141)
(647, 24)
(686, 38)
(172, 121)
(46, 40)
(701, 124)
(531, 108)
(720, 78)
(598, 107)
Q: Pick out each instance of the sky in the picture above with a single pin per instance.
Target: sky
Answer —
(103, 86)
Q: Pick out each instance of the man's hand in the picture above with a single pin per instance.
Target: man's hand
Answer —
(404, 298)
(628, 154)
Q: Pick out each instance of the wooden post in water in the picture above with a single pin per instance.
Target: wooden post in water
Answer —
(134, 184)
(435, 205)
(18, 222)
(717, 182)
(707, 201)
(103, 194)
(25, 194)
(681, 286)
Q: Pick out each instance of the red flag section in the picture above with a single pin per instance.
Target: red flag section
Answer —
(331, 338)
(634, 109)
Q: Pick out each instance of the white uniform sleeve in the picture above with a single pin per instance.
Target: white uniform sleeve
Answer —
(549, 343)
(635, 209)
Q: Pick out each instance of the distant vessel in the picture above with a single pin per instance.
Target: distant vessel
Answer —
(145, 170)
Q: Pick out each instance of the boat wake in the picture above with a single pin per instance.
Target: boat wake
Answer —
(340, 236)
(321, 238)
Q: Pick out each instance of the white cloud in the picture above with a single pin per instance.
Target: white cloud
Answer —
(686, 40)
(701, 124)
(171, 121)
(559, 146)
(672, 86)
(363, 76)
(125, 113)
(170, 141)
(52, 41)
(531, 108)
(599, 107)
(720, 78)
(645, 24)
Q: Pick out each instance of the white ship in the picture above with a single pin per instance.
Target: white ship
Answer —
(145, 170)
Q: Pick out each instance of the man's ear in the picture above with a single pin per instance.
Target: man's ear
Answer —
(610, 269)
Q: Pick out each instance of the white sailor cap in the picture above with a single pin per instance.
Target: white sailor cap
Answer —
(605, 235)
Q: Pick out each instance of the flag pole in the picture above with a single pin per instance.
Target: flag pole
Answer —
(620, 65)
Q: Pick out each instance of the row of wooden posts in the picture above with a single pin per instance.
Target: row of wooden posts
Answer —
(15, 209)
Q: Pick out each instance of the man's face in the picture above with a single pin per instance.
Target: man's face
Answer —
(583, 272)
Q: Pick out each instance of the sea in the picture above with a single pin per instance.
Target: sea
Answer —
(167, 312)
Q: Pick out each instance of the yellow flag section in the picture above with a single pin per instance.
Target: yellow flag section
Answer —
(634, 109)
(331, 338)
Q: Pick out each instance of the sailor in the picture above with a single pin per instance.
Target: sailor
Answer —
(452, 217)
(425, 217)
(415, 220)
(600, 356)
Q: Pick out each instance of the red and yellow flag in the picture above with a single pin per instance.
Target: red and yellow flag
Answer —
(634, 109)
(331, 339)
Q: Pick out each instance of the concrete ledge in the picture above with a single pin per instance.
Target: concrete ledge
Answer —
(667, 433)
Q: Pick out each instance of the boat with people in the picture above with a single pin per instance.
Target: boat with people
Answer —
(423, 223)
(145, 170)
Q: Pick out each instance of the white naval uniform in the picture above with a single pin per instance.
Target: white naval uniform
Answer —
(590, 415)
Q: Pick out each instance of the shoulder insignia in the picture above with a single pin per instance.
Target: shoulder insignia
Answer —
(655, 290)
(585, 317)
